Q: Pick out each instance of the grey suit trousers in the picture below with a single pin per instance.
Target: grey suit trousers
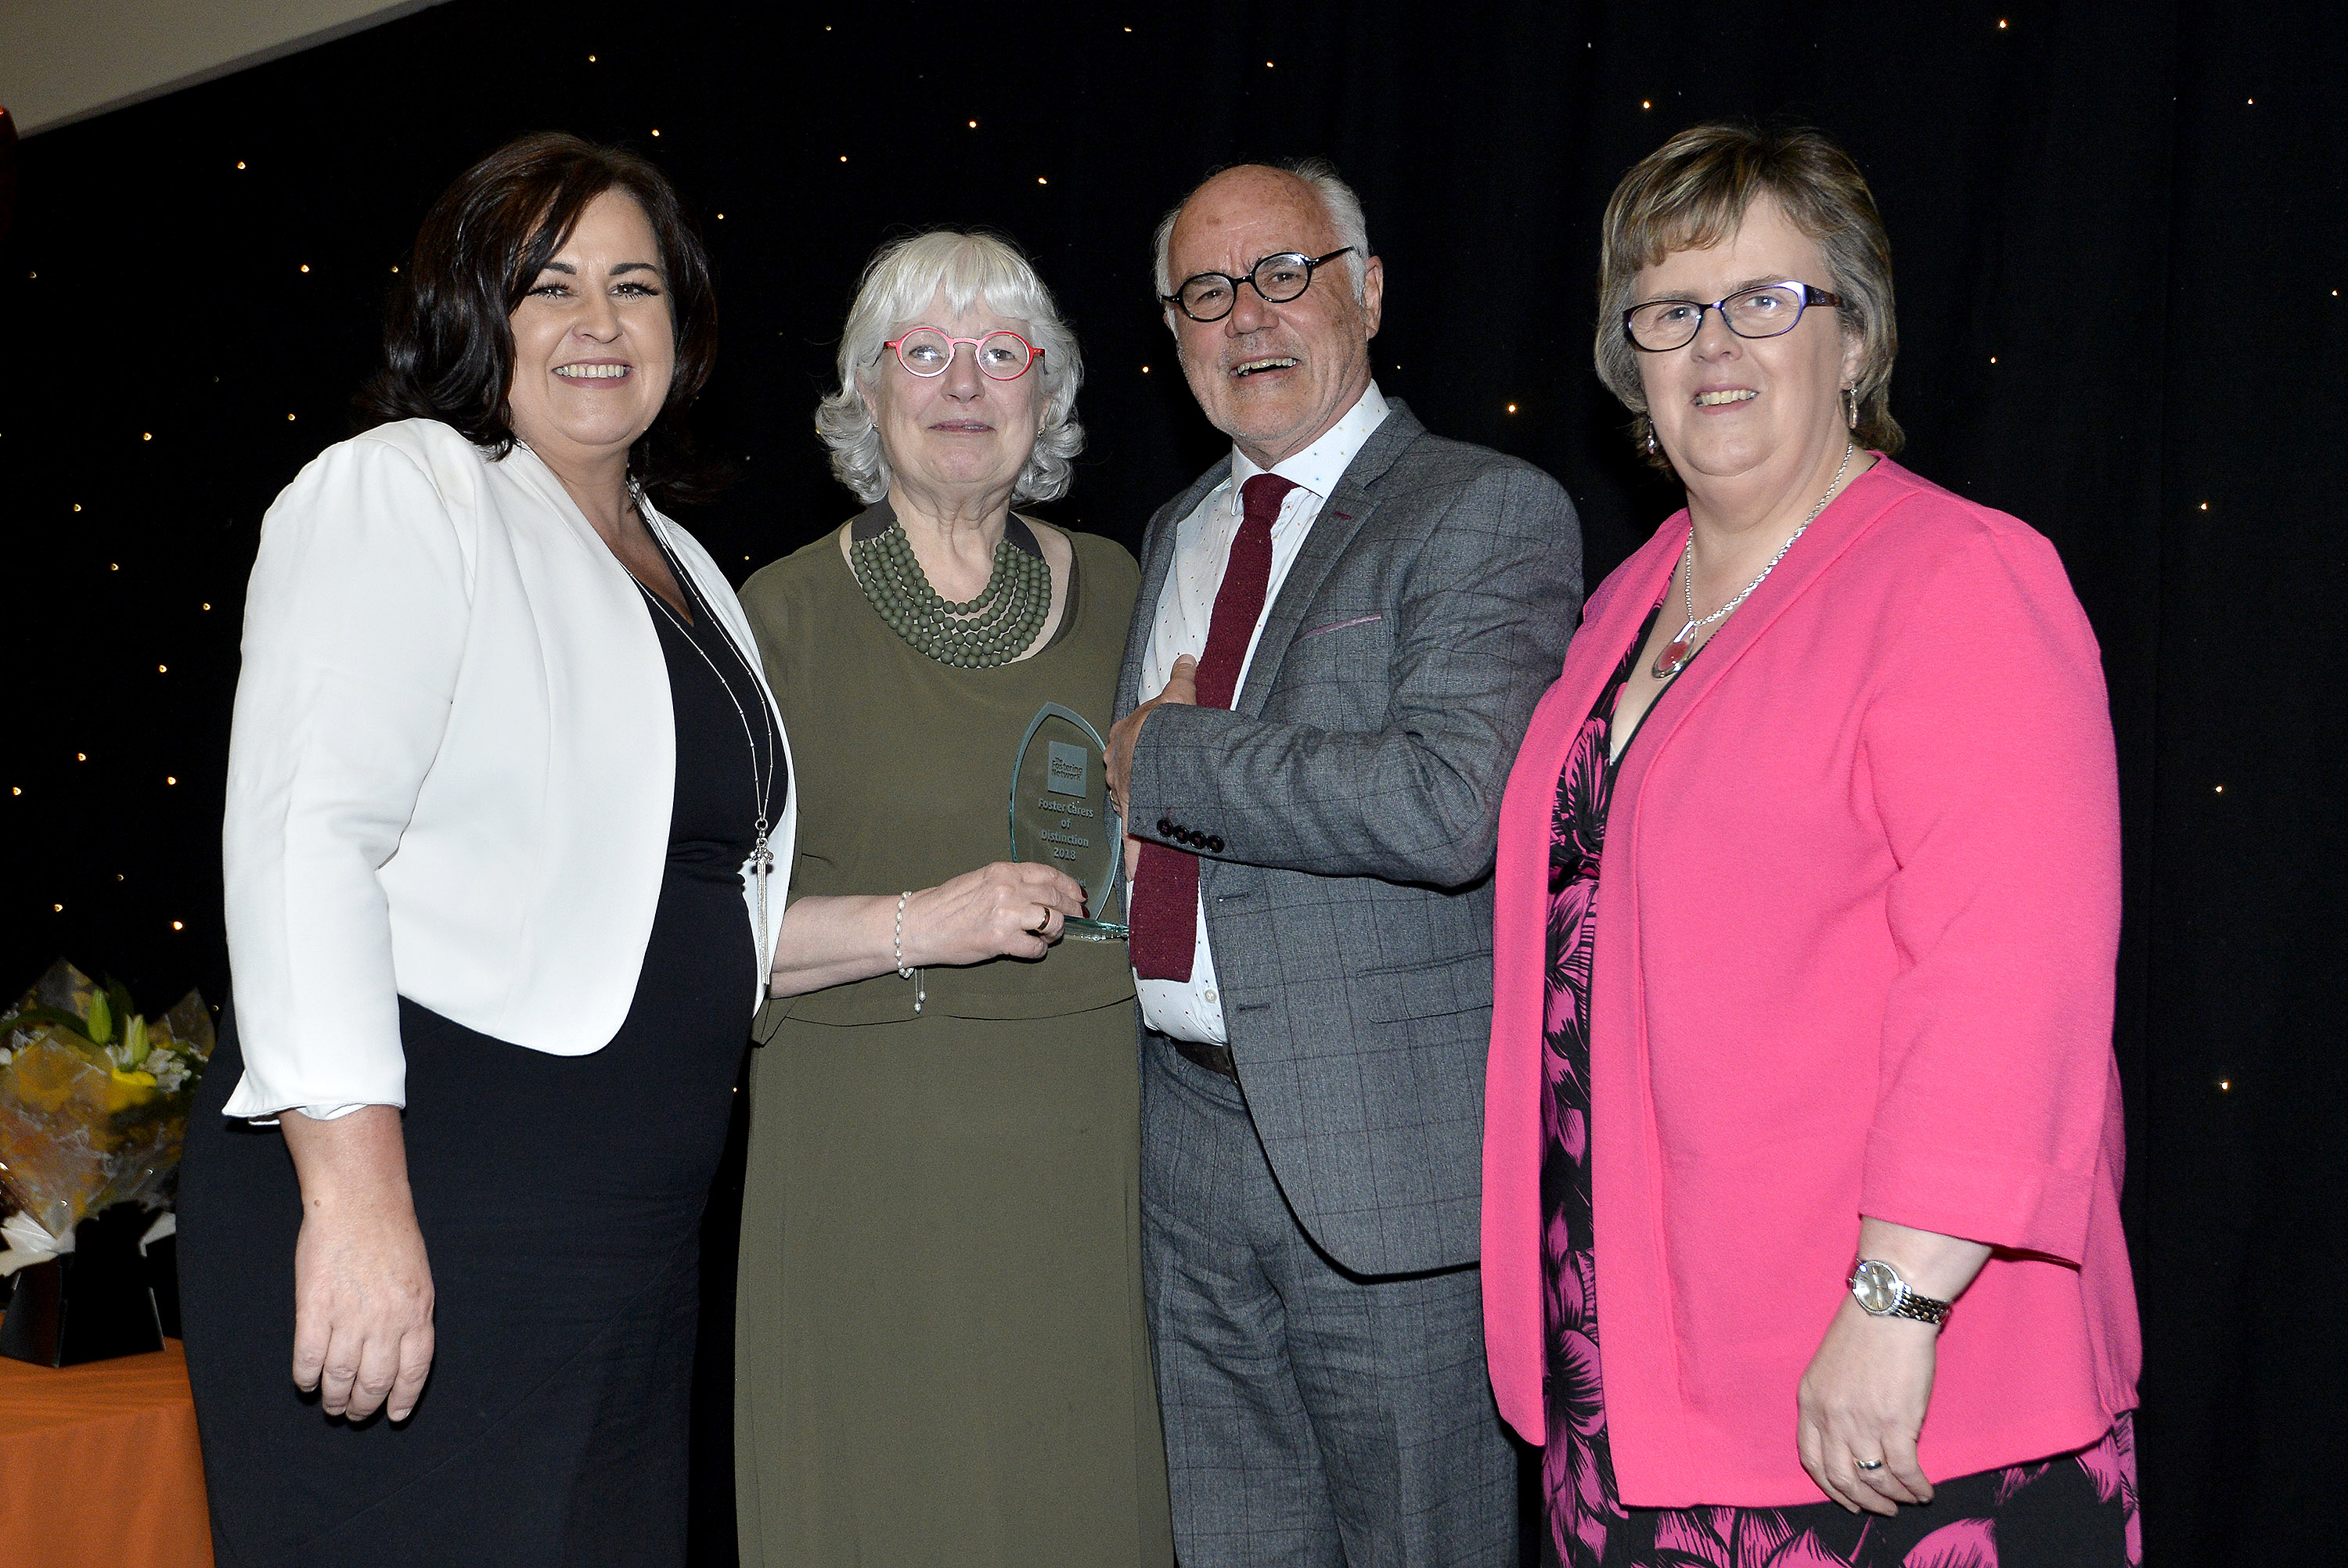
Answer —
(1314, 1418)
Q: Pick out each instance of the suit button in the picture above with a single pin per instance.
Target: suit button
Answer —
(1214, 844)
(1164, 827)
(1191, 837)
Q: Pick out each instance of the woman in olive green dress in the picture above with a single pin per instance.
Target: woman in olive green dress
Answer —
(940, 1351)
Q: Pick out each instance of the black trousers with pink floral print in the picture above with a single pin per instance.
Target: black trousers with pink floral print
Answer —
(2075, 1511)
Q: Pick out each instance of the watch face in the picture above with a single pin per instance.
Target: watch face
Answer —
(1878, 1289)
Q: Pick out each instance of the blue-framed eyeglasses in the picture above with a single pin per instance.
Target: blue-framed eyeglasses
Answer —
(1769, 310)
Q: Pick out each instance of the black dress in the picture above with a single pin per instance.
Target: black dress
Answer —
(561, 1201)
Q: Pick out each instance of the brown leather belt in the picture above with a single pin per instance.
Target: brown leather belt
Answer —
(1214, 1057)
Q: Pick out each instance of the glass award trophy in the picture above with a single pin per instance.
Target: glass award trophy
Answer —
(1060, 813)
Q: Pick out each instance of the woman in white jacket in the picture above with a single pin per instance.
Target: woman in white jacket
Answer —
(510, 807)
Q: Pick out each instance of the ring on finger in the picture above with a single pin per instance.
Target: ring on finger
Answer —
(1870, 1464)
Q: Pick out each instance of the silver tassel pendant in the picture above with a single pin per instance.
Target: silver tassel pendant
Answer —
(762, 866)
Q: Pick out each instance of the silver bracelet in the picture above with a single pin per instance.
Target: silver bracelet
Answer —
(920, 989)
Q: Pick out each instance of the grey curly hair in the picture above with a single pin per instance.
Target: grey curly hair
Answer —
(898, 285)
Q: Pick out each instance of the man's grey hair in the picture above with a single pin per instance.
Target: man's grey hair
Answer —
(898, 285)
(1337, 199)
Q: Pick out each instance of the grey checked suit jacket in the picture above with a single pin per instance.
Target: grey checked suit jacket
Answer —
(1356, 788)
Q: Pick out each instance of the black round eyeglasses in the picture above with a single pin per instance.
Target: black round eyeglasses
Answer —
(1276, 279)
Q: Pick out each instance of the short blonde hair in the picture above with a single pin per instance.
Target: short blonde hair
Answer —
(898, 283)
(1693, 190)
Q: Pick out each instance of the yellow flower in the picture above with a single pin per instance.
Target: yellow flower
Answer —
(128, 1088)
(99, 1020)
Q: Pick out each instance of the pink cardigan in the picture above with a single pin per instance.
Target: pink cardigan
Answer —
(1856, 935)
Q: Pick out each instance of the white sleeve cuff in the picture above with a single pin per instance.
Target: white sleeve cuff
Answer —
(314, 1113)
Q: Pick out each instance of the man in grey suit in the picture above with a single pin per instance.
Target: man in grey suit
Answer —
(1343, 628)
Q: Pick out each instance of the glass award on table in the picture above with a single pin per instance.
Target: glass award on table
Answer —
(1060, 813)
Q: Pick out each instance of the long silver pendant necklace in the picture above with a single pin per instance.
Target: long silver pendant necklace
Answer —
(1681, 648)
(762, 856)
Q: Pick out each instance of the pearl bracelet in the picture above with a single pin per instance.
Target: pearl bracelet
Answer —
(920, 991)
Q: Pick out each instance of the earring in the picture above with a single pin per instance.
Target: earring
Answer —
(1852, 393)
(1651, 437)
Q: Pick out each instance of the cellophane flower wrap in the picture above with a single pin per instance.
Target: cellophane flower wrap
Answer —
(94, 1097)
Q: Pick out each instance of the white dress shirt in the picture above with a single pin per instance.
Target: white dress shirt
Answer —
(1192, 1008)
(450, 770)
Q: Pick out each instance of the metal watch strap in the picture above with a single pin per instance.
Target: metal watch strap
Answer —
(1923, 1309)
(1915, 1308)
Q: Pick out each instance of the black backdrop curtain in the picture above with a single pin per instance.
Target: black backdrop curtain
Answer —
(2120, 246)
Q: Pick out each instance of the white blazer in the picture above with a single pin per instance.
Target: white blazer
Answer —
(451, 768)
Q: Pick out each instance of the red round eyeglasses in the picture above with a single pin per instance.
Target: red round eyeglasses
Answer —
(1002, 355)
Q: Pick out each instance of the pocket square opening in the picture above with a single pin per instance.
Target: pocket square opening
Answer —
(1342, 625)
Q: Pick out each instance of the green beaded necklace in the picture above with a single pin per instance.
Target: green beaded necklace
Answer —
(991, 630)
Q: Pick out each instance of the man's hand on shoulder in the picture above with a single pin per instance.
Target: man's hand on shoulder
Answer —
(1181, 688)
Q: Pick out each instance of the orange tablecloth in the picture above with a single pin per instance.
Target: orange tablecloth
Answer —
(98, 1465)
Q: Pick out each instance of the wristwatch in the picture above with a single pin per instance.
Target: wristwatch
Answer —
(1881, 1293)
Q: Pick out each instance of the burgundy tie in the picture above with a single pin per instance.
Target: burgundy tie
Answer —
(1165, 918)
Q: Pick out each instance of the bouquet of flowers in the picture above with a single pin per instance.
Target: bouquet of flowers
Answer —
(93, 1105)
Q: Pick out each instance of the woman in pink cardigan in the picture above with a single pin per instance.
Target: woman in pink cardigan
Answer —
(1804, 1089)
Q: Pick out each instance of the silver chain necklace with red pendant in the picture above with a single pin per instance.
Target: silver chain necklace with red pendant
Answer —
(1678, 652)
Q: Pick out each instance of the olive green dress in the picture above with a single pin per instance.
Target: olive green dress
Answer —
(941, 1352)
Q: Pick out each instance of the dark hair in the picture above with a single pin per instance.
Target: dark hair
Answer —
(448, 347)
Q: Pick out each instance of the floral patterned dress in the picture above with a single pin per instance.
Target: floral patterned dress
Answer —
(2077, 1510)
